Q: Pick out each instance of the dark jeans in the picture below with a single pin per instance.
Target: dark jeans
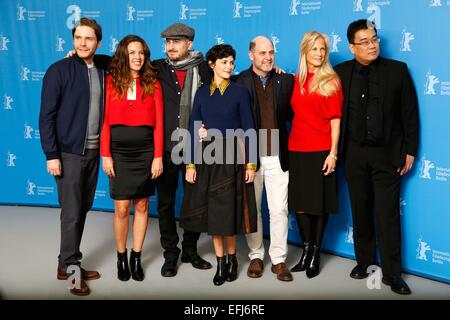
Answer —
(374, 188)
(166, 187)
(76, 191)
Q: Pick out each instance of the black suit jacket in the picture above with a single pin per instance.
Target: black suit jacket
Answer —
(283, 85)
(398, 99)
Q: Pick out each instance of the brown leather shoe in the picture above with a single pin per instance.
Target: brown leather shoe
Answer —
(85, 274)
(282, 272)
(255, 269)
(82, 291)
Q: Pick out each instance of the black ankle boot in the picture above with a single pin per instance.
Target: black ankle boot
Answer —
(221, 272)
(314, 266)
(305, 259)
(135, 264)
(232, 266)
(123, 271)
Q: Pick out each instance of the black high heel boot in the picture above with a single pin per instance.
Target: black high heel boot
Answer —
(232, 266)
(221, 272)
(314, 265)
(305, 259)
(123, 271)
(135, 264)
(304, 223)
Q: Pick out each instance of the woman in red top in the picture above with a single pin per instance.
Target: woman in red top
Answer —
(131, 145)
(313, 142)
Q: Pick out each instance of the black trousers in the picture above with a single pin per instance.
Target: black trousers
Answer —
(166, 187)
(374, 189)
(76, 191)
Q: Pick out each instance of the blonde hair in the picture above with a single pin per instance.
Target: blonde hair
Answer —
(325, 80)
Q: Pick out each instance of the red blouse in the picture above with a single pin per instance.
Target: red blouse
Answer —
(311, 128)
(147, 112)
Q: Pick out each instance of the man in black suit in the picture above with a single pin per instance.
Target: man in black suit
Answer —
(379, 139)
(271, 95)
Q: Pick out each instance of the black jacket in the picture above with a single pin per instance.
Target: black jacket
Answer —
(398, 99)
(172, 94)
(63, 118)
(283, 85)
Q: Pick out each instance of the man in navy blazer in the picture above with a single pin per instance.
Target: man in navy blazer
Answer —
(70, 119)
(378, 145)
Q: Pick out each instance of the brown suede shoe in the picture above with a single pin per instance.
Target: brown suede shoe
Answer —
(255, 269)
(82, 291)
(86, 275)
(282, 272)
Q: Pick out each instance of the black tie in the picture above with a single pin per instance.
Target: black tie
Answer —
(364, 95)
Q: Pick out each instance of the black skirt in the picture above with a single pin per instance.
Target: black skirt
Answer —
(219, 202)
(132, 153)
(309, 190)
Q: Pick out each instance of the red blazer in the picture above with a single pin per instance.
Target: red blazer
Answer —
(147, 112)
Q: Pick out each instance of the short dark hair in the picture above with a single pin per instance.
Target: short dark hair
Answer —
(220, 51)
(358, 25)
(89, 23)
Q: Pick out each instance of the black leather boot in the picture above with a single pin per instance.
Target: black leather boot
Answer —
(123, 271)
(221, 272)
(305, 258)
(313, 268)
(135, 264)
(232, 266)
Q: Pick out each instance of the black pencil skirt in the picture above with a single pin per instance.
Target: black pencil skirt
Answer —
(132, 153)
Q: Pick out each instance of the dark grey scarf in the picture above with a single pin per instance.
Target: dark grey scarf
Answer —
(191, 83)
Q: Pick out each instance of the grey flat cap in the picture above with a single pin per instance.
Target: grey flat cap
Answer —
(178, 31)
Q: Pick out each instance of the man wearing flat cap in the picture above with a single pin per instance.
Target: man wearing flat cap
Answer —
(181, 73)
(178, 31)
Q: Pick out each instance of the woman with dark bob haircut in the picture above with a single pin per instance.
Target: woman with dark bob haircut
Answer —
(131, 145)
(219, 197)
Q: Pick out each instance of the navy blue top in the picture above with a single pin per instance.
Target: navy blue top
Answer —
(63, 118)
(232, 110)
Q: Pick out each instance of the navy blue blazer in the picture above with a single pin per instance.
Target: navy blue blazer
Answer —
(63, 118)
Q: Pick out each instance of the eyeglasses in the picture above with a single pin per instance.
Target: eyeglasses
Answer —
(366, 43)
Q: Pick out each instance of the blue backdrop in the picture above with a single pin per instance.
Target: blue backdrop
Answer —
(34, 34)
